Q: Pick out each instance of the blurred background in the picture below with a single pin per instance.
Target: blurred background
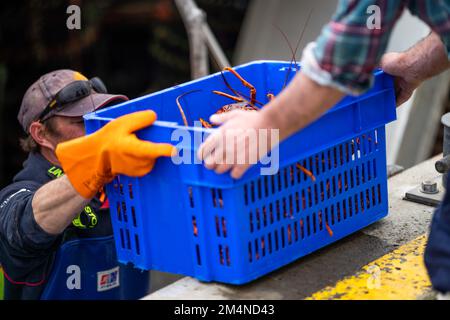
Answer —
(141, 46)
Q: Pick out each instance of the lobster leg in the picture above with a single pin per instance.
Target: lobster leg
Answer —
(246, 84)
(220, 93)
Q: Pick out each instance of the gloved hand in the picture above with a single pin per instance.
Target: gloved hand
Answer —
(94, 160)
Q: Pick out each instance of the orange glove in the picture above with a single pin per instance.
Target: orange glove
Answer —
(94, 160)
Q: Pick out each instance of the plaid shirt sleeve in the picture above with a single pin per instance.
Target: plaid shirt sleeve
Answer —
(348, 49)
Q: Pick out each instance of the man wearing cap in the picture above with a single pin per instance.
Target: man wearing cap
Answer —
(55, 232)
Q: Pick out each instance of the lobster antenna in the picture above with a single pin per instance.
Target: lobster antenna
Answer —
(183, 115)
(227, 84)
(294, 52)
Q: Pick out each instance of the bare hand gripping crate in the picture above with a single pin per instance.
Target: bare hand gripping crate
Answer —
(188, 220)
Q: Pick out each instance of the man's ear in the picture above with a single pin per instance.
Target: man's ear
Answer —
(40, 135)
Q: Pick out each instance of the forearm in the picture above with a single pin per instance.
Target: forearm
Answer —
(302, 102)
(56, 204)
(427, 58)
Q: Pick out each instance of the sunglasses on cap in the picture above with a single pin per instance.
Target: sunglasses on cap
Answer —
(74, 91)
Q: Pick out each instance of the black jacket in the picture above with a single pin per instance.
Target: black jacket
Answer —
(26, 251)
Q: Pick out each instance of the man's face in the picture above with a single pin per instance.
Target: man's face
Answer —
(66, 128)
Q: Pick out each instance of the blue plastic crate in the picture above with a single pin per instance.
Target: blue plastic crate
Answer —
(188, 220)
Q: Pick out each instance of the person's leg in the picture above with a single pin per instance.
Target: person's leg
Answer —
(437, 252)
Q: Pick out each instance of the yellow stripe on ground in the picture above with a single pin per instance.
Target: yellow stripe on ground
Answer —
(400, 275)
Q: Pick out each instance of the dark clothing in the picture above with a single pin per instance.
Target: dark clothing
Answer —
(437, 253)
(27, 252)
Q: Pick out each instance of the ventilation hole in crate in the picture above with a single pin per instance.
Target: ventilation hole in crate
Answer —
(258, 219)
(361, 198)
(251, 222)
(374, 202)
(269, 238)
(363, 173)
(341, 154)
(292, 175)
(194, 226)
(328, 189)
(317, 164)
(256, 250)
(356, 204)
(122, 239)
(347, 153)
(224, 227)
(121, 189)
(272, 183)
(124, 211)
(128, 240)
(221, 258)
(374, 169)
(379, 193)
(303, 199)
(338, 211)
(252, 191)
(368, 202)
(217, 226)
(309, 198)
(376, 139)
(350, 207)
(297, 202)
(311, 167)
(339, 182)
(322, 161)
(266, 186)
(357, 175)
(289, 234)
(138, 247)
(227, 255)
(295, 232)
(344, 209)
(133, 216)
(308, 226)
(335, 157)
(264, 211)
(328, 160)
(278, 209)
(276, 241)
(333, 221)
(316, 195)
(199, 259)
(286, 181)
(259, 189)
(299, 174)
(319, 214)
(246, 194)
(322, 192)
(213, 197)
(119, 215)
(116, 186)
(271, 213)
(279, 181)
(352, 181)
(302, 229)
(191, 197)
(250, 254)
(263, 246)
(314, 225)
(333, 184)
(219, 192)
(283, 241)
(291, 206)
(346, 181)
(130, 190)
(284, 208)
